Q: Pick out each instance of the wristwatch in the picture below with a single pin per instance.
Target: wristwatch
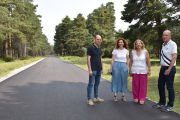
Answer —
(168, 70)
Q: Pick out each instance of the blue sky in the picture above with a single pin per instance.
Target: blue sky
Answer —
(53, 11)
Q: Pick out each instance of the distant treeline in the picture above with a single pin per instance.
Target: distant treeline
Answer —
(21, 30)
(152, 17)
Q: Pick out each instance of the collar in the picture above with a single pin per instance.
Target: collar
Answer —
(167, 43)
(94, 46)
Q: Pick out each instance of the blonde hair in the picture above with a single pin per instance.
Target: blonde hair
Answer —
(143, 46)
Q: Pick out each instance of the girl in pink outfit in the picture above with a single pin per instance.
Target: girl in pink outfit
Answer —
(139, 71)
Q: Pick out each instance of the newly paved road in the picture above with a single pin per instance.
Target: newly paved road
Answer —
(56, 90)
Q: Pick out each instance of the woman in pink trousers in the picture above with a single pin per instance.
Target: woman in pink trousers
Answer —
(139, 71)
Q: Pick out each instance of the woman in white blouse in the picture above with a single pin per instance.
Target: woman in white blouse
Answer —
(119, 68)
(139, 71)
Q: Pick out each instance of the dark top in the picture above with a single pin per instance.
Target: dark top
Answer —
(95, 54)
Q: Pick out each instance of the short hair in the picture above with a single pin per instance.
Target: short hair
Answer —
(97, 35)
(143, 46)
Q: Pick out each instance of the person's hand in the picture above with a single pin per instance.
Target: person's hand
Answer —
(110, 71)
(149, 73)
(102, 72)
(166, 72)
(90, 73)
(130, 73)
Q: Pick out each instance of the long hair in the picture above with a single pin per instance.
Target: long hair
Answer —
(125, 44)
(143, 46)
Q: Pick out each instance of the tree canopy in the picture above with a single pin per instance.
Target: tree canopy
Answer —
(151, 18)
(21, 30)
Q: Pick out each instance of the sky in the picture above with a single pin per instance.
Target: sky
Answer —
(53, 11)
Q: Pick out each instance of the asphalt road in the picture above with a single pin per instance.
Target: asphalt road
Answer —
(56, 90)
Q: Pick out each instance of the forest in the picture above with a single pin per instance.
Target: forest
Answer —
(151, 17)
(21, 31)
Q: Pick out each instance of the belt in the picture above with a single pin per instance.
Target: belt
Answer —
(166, 67)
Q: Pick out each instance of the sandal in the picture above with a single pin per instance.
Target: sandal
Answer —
(141, 102)
(115, 98)
(123, 98)
(136, 100)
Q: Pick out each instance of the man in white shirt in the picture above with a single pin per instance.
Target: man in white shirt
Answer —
(167, 72)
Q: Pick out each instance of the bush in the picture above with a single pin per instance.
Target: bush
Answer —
(152, 55)
(82, 52)
(25, 58)
(178, 54)
(9, 59)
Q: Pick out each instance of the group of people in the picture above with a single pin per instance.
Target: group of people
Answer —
(139, 66)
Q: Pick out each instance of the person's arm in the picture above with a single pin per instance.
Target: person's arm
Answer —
(130, 64)
(112, 62)
(89, 64)
(149, 63)
(101, 65)
(174, 57)
(127, 57)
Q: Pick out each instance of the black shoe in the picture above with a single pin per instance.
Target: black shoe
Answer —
(167, 109)
(158, 105)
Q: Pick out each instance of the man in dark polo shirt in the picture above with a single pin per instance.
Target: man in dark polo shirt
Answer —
(95, 66)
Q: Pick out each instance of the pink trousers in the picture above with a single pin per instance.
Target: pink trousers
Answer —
(139, 86)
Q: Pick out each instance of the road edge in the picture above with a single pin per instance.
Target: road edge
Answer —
(16, 71)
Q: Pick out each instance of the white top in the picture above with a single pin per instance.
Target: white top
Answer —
(120, 54)
(139, 63)
(166, 53)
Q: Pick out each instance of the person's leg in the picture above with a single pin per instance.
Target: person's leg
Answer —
(135, 86)
(115, 96)
(143, 87)
(170, 86)
(124, 80)
(161, 85)
(90, 84)
(115, 77)
(97, 81)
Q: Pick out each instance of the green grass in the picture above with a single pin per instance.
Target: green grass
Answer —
(152, 93)
(7, 67)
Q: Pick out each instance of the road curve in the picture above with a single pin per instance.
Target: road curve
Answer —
(54, 89)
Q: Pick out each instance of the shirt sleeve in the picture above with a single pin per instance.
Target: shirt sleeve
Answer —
(114, 52)
(127, 52)
(89, 51)
(173, 48)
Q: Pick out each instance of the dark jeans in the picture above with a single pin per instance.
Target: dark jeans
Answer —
(169, 80)
(96, 76)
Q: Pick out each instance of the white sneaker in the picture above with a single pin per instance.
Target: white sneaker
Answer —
(90, 102)
(98, 100)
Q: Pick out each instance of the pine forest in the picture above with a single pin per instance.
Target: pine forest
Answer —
(21, 31)
(152, 17)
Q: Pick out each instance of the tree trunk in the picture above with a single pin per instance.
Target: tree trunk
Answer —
(19, 50)
(10, 48)
(6, 49)
(24, 50)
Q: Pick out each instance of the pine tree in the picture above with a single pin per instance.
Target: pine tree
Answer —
(101, 22)
(77, 34)
(151, 17)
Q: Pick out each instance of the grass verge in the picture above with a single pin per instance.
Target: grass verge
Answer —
(152, 93)
(7, 67)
